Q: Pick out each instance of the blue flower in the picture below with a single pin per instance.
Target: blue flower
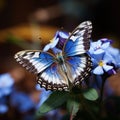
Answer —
(57, 43)
(21, 101)
(101, 58)
(6, 83)
(3, 105)
(100, 46)
(115, 53)
(3, 108)
(102, 63)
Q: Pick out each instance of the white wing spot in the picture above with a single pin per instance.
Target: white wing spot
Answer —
(36, 55)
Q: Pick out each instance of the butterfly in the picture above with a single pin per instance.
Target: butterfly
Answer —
(62, 70)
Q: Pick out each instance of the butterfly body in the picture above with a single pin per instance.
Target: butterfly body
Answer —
(69, 66)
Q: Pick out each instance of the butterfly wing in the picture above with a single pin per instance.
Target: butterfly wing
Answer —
(79, 40)
(44, 65)
(79, 67)
(34, 61)
(53, 78)
(75, 52)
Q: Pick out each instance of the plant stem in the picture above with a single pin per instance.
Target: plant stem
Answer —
(102, 91)
(86, 107)
(101, 95)
(71, 117)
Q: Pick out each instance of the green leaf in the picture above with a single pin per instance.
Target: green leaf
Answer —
(73, 106)
(55, 100)
(91, 94)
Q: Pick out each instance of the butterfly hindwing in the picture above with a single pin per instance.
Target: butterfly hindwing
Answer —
(80, 68)
(53, 78)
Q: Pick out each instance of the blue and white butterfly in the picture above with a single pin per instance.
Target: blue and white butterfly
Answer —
(69, 67)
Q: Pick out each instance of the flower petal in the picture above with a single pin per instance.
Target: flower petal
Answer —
(6, 80)
(3, 108)
(105, 45)
(95, 45)
(98, 57)
(47, 47)
(115, 53)
(51, 45)
(98, 70)
(63, 34)
(99, 51)
(107, 67)
(94, 62)
(54, 43)
(108, 58)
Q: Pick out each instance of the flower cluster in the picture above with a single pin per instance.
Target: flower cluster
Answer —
(102, 60)
(105, 58)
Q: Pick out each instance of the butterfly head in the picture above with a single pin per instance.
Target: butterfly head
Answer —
(60, 57)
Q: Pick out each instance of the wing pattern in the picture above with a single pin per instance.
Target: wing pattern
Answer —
(79, 40)
(43, 64)
(80, 68)
(53, 79)
(49, 72)
(34, 61)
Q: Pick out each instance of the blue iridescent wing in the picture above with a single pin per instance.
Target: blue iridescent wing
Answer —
(34, 61)
(75, 51)
(53, 78)
(49, 74)
(79, 68)
(79, 40)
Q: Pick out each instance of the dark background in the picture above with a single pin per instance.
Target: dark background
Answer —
(104, 14)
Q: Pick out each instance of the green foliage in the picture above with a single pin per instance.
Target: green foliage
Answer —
(73, 105)
(72, 100)
(55, 100)
(90, 94)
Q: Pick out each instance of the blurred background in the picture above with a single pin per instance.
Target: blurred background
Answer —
(30, 24)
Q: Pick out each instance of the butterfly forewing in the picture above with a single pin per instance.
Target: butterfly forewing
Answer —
(34, 61)
(79, 40)
(80, 30)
